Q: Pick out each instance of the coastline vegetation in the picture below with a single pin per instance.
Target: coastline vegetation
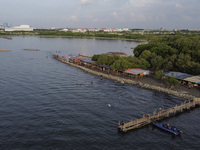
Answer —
(177, 53)
(134, 34)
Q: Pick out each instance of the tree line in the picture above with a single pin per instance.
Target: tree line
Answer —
(169, 53)
(177, 53)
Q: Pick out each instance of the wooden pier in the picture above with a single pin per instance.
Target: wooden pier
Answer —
(157, 115)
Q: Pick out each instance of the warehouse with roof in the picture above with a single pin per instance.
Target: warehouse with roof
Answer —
(19, 28)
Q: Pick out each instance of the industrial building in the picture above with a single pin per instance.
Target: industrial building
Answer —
(19, 28)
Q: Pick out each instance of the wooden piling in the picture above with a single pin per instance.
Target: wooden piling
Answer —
(157, 116)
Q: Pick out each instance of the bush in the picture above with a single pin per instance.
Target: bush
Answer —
(95, 57)
(172, 81)
(159, 74)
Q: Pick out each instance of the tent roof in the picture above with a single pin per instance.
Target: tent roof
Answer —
(73, 55)
(87, 60)
(78, 58)
(136, 71)
(193, 79)
(178, 75)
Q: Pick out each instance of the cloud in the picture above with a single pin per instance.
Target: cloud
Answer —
(74, 18)
(187, 18)
(84, 2)
(114, 14)
(92, 18)
(117, 13)
(141, 3)
(178, 6)
(137, 18)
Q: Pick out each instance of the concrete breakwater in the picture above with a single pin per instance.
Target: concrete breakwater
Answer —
(132, 82)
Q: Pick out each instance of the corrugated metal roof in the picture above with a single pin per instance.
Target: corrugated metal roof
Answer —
(73, 55)
(104, 66)
(193, 79)
(178, 75)
(136, 71)
(132, 69)
(87, 60)
(78, 58)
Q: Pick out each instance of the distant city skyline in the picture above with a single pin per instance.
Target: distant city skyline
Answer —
(146, 14)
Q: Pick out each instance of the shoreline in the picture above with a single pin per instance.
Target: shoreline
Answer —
(31, 49)
(80, 37)
(138, 82)
(5, 50)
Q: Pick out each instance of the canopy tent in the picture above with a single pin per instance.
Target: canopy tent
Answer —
(178, 75)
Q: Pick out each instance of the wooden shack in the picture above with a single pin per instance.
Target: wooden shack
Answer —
(136, 72)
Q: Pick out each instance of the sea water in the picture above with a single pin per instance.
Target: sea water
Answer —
(46, 104)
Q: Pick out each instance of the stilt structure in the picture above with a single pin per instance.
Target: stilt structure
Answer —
(157, 115)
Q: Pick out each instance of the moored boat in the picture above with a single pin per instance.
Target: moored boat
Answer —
(168, 128)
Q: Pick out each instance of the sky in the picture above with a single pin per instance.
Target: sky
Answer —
(145, 14)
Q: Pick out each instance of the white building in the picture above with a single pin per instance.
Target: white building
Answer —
(82, 30)
(1, 27)
(65, 30)
(20, 28)
(125, 29)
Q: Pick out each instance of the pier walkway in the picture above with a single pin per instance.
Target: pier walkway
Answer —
(157, 115)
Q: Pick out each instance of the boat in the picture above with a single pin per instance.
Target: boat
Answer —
(168, 128)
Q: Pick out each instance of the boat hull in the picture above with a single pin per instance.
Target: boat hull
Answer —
(172, 130)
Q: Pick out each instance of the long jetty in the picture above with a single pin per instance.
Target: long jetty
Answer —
(158, 115)
(128, 81)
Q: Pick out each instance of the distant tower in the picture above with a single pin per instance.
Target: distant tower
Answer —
(6, 25)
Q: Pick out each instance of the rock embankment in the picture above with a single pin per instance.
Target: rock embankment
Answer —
(132, 82)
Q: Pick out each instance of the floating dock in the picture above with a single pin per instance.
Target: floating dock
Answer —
(157, 115)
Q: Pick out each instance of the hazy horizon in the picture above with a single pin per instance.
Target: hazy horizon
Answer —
(145, 14)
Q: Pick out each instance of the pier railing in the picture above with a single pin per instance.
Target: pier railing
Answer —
(157, 115)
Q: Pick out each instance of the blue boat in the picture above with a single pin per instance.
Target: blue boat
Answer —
(167, 128)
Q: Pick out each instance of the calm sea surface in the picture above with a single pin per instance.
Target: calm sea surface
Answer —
(48, 105)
